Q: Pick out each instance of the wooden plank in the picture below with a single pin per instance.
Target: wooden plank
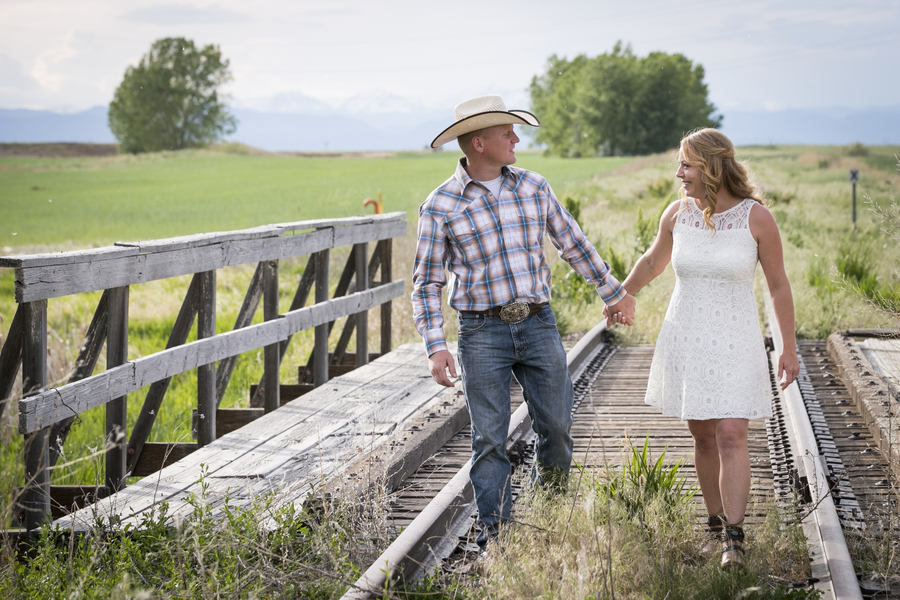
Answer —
(36, 499)
(320, 343)
(156, 455)
(231, 419)
(153, 400)
(56, 404)
(206, 374)
(265, 431)
(11, 358)
(287, 392)
(117, 408)
(244, 318)
(92, 255)
(36, 283)
(342, 222)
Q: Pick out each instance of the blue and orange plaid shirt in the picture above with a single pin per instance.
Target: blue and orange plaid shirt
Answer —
(494, 248)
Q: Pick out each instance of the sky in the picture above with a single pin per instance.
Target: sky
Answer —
(68, 56)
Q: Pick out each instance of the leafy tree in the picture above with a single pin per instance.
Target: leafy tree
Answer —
(618, 103)
(170, 100)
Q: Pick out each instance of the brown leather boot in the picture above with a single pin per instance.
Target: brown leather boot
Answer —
(733, 545)
(715, 526)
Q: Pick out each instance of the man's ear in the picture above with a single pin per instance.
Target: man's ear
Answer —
(477, 145)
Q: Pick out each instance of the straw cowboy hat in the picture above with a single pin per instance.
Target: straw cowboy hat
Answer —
(480, 113)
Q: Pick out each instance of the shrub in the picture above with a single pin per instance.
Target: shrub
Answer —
(856, 149)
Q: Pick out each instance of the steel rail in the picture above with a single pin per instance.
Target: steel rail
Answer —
(822, 526)
(425, 539)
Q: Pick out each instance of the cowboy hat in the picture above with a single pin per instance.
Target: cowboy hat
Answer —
(480, 113)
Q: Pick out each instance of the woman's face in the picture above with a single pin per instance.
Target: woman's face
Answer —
(690, 178)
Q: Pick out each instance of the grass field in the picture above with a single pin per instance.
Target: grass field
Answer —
(73, 203)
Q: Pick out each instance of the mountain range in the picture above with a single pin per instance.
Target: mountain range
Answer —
(295, 122)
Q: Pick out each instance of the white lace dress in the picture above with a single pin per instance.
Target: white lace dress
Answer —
(710, 361)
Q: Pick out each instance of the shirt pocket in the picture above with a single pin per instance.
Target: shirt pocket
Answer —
(465, 239)
(532, 225)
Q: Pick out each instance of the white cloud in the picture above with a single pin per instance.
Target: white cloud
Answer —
(43, 70)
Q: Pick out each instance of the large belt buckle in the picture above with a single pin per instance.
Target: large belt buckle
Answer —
(514, 312)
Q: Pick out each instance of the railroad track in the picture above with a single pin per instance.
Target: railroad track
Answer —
(840, 476)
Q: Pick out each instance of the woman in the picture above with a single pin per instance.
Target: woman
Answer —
(709, 367)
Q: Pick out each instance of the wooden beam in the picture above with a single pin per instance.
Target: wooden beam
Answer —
(36, 498)
(206, 374)
(320, 345)
(117, 408)
(184, 322)
(54, 405)
(386, 275)
(156, 455)
(35, 282)
(11, 358)
(271, 352)
(350, 324)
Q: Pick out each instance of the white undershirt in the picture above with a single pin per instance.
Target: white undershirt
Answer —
(493, 185)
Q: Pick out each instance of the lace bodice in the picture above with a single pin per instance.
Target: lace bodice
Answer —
(709, 360)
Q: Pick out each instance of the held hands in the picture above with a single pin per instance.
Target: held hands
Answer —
(621, 312)
(438, 364)
(788, 368)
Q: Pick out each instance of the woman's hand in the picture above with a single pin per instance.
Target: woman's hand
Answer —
(788, 368)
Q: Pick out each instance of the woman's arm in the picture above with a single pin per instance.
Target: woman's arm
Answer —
(771, 257)
(654, 261)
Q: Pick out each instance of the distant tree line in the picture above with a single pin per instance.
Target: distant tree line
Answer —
(619, 103)
(170, 100)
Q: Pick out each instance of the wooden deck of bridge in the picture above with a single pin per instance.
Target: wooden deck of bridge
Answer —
(290, 451)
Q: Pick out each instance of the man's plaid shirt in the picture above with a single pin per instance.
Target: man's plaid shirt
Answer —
(494, 248)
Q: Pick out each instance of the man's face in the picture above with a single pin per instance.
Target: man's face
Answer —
(499, 145)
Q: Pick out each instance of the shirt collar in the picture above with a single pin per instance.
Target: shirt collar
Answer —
(462, 176)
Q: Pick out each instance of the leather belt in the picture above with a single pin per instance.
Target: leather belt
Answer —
(512, 313)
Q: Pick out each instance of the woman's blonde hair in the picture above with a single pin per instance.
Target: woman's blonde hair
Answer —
(713, 153)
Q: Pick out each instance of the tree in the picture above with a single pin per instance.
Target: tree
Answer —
(618, 103)
(170, 101)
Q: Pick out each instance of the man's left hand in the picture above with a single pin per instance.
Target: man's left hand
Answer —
(622, 312)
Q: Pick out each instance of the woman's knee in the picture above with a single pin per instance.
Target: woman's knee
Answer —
(731, 436)
(704, 434)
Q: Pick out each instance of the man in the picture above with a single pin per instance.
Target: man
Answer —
(486, 225)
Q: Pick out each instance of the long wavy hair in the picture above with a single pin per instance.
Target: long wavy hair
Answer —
(713, 153)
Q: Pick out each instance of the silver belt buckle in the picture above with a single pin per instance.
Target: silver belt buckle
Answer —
(514, 312)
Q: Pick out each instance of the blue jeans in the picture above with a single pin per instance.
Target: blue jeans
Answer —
(490, 353)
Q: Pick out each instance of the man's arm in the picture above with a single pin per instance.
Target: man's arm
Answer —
(577, 250)
(429, 279)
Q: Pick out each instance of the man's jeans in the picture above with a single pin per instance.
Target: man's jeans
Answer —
(490, 352)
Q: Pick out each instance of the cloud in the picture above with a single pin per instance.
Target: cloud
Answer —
(181, 14)
(13, 75)
(47, 59)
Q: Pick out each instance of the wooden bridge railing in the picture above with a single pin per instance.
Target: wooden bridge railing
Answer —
(45, 415)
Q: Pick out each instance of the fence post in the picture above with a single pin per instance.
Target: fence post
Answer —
(117, 409)
(320, 347)
(361, 252)
(206, 374)
(36, 499)
(386, 307)
(271, 353)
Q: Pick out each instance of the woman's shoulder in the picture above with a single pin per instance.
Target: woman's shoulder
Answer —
(761, 220)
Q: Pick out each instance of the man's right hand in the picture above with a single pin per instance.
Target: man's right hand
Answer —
(439, 363)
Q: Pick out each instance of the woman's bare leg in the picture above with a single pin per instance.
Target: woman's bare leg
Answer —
(706, 460)
(734, 460)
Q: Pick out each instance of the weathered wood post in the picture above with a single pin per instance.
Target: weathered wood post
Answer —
(271, 353)
(36, 499)
(386, 307)
(320, 347)
(206, 374)
(361, 254)
(117, 409)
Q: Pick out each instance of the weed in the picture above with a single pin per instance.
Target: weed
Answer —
(856, 149)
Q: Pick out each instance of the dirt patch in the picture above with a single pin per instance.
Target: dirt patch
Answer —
(57, 150)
